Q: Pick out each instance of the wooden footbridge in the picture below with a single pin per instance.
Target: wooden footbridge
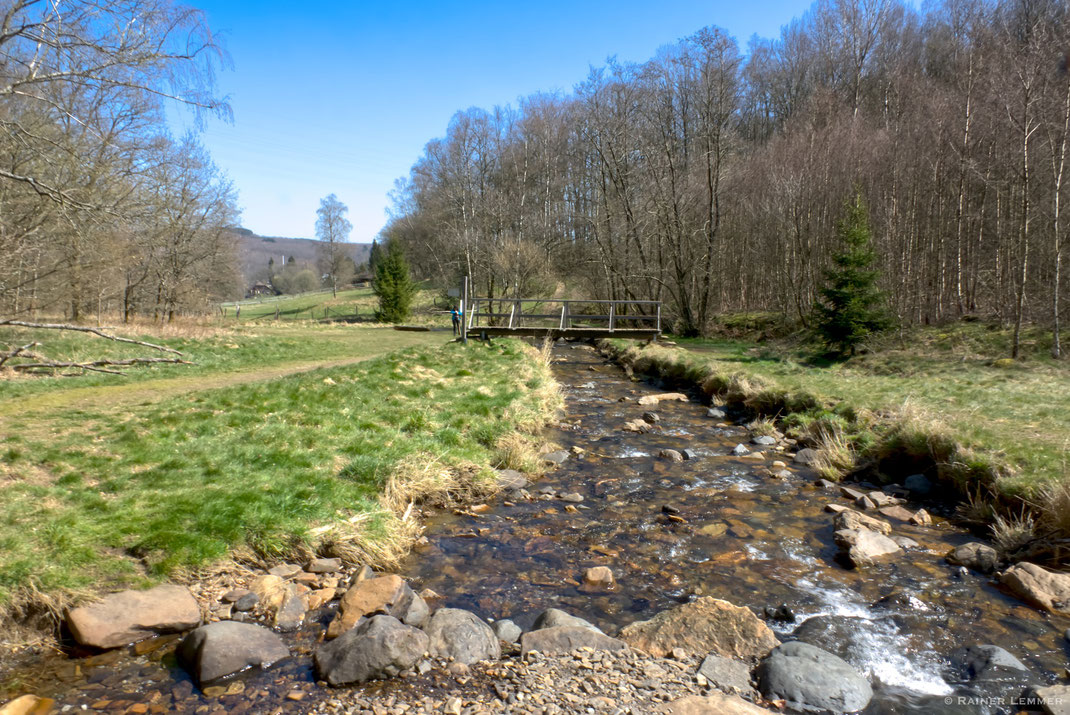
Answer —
(549, 318)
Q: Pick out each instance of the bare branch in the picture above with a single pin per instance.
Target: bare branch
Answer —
(94, 331)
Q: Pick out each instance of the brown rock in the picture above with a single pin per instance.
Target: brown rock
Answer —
(862, 546)
(564, 639)
(664, 397)
(850, 519)
(712, 704)
(28, 705)
(1038, 586)
(921, 518)
(974, 555)
(897, 512)
(599, 576)
(320, 598)
(706, 625)
(374, 595)
(271, 591)
(128, 616)
(836, 508)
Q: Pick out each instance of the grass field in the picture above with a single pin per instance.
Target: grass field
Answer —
(355, 304)
(111, 497)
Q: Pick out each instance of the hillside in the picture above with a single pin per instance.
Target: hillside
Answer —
(254, 251)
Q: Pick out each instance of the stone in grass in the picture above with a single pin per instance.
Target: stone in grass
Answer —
(128, 616)
(220, 649)
(324, 565)
(246, 603)
(380, 647)
(565, 639)
(462, 635)
(812, 680)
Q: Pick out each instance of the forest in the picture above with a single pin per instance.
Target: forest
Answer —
(102, 210)
(712, 177)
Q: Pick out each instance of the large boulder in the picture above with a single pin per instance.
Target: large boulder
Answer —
(463, 636)
(128, 616)
(974, 555)
(554, 617)
(862, 546)
(379, 647)
(706, 625)
(227, 647)
(812, 680)
(712, 704)
(388, 594)
(564, 639)
(28, 705)
(1040, 587)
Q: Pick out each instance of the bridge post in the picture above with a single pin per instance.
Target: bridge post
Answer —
(612, 316)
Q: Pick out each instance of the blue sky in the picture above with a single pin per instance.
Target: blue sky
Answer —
(341, 97)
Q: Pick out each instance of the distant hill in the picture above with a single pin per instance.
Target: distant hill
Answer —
(254, 251)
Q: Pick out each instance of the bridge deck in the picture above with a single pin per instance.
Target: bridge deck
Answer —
(555, 333)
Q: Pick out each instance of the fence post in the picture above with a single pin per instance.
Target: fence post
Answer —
(612, 316)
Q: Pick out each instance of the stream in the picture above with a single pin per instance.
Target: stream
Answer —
(740, 535)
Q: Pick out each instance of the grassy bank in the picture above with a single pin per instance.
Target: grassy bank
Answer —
(324, 461)
(213, 349)
(359, 304)
(994, 434)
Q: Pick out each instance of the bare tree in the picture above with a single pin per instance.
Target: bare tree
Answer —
(333, 229)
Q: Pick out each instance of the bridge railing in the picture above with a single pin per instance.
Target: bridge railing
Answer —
(543, 313)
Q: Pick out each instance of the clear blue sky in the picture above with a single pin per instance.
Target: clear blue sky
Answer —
(341, 97)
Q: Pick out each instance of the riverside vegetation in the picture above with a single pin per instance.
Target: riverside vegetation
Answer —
(98, 497)
(991, 430)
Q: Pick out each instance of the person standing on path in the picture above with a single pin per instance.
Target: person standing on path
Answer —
(455, 317)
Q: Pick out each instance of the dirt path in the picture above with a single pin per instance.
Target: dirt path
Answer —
(148, 391)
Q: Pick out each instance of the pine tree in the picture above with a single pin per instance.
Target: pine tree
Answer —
(393, 284)
(853, 307)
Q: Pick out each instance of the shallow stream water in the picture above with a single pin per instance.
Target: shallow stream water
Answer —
(744, 536)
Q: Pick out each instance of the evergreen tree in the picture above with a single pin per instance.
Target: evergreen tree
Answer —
(853, 307)
(393, 284)
(374, 257)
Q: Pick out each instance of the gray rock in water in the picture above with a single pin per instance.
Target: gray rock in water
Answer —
(689, 454)
(805, 456)
(557, 458)
(671, 454)
(716, 413)
(987, 663)
(740, 449)
(246, 603)
(862, 546)
(510, 479)
(763, 440)
(812, 680)
(462, 635)
(412, 609)
(507, 631)
(918, 484)
(974, 555)
(727, 674)
(292, 611)
(224, 648)
(128, 616)
(651, 418)
(380, 647)
(564, 639)
(905, 542)
(554, 617)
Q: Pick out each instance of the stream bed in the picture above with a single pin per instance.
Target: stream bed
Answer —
(737, 534)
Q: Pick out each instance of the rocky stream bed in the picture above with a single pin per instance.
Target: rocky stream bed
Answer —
(657, 568)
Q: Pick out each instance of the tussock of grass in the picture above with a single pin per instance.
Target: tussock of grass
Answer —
(330, 462)
(860, 422)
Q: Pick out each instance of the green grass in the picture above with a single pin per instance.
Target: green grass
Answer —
(212, 349)
(360, 303)
(111, 499)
